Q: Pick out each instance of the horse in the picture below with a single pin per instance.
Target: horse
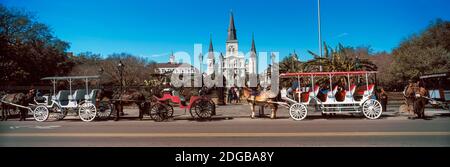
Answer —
(19, 99)
(127, 98)
(416, 94)
(263, 99)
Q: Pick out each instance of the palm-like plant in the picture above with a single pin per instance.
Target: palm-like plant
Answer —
(338, 59)
(291, 64)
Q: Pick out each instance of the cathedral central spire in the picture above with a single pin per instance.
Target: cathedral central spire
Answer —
(253, 49)
(211, 49)
(231, 29)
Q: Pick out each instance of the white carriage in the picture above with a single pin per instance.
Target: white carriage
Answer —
(299, 102)
(81, 101)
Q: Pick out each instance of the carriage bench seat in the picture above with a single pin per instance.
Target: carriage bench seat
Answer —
(363, 90)
(351, 92)
(311, 93)
(331, 94)
(92, 96)
(78, 95)
(63, 97)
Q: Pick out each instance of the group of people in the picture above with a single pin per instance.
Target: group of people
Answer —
(233, 95)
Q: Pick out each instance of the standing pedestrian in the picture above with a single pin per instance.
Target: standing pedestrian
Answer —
(233, 94)
(238, 96)
(229, 95)
(383, 99)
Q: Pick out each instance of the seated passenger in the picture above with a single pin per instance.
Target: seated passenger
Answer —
(39, 96)
(323, 92)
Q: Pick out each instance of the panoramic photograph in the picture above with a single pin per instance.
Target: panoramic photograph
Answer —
(224, 73)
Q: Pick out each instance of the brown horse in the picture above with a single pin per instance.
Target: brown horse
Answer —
(19, 99)
(415, 95)
(263, 99)
(128, 98)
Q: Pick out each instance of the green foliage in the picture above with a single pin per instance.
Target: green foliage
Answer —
(28, 49)
(428, 52)
(136, 72)
(291, 64)
(339, 59)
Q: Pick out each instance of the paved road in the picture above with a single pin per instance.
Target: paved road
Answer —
(232, 127)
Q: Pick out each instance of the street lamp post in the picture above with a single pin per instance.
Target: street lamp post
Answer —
(120, 68)
(100, 73)
(320, 33)
(221, 88)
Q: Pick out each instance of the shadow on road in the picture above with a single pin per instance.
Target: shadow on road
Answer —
(429, 118)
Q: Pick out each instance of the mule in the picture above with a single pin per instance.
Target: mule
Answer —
(415, 95)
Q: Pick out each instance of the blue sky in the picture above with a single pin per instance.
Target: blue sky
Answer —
(154, 28)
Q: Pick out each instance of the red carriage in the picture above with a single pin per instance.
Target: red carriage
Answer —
(200, 107)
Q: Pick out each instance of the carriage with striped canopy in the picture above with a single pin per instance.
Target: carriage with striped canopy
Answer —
(316, 90)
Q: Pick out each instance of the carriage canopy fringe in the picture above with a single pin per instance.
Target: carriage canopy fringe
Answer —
(285, 75)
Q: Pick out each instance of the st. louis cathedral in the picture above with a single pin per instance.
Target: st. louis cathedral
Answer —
(233, 66)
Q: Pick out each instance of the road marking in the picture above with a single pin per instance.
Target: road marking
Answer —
(294, 134)
(35, 127)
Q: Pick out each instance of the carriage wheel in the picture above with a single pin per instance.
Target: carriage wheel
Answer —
(298, 111)
(203, 109)
(87, 112)
(191, 111)
(445, 106)
(170, 111)
(159, 112)
(104, 110)
(372, 109)
(40, 113)
(60, 113)
(214, 107)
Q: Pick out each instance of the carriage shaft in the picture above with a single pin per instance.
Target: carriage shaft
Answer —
(16, 105)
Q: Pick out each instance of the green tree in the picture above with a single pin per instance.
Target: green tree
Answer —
(427, 52)
(28, 49)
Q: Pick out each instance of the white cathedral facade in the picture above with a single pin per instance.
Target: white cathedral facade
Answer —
(233, 65)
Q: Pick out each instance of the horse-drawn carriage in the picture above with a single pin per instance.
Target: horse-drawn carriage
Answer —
(200, 106)
(81, 101)
(438, 86)
(298, 103)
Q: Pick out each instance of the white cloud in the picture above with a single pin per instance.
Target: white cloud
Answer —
(342, 35)
(159, 55)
